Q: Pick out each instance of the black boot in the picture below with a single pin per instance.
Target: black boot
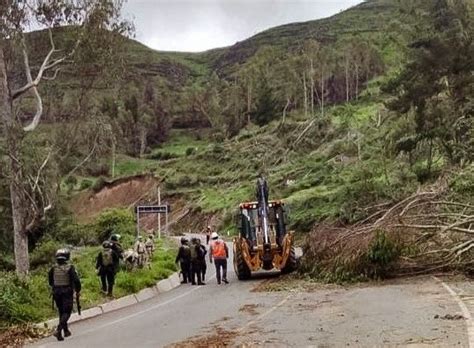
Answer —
(67, 333)
(58, 335)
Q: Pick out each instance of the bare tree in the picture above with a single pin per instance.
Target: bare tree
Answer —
(16, 19)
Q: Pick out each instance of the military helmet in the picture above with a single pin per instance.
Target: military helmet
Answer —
(63, 254)
(107, 245)
(183, 240)
(115, 237)
(139, 238)
(214, 235)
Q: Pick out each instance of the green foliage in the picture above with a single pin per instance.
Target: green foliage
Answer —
(118, 221)
(16, 303)
(44, 252)
(99, 184)
(382, 253)
(85, 184)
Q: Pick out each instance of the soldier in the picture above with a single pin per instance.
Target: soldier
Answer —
(116, 246)
(202, 258)
(105, 266)
(63, 280)
(150, 248)
(195, 262)
(184, 259)
(220, 253)
(140, 249)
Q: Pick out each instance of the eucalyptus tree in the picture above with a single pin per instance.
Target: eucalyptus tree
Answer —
(23, 71)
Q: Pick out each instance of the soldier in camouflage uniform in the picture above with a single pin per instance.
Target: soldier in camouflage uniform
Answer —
(63, 280)
(150, 248)
(140, 249)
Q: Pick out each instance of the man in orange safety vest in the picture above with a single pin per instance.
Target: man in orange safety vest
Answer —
(220, 253)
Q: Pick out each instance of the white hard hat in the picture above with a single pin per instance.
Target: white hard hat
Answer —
(214, 235)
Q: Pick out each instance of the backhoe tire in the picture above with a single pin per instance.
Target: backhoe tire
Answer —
(241, 268)
(291, 263)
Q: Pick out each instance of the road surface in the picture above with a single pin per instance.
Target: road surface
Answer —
(413, 312)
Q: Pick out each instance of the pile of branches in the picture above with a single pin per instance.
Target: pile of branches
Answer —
(423, 233)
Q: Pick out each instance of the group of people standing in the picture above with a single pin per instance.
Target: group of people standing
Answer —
(192, 259)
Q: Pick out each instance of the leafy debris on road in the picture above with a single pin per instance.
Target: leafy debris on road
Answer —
(16, 336)
(218, 338)
(450, 317)
(249, 309)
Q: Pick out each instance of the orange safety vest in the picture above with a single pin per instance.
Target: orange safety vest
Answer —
(218, 249)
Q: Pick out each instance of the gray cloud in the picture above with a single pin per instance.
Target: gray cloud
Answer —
(198, 25)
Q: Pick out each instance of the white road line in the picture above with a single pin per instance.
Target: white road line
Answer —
(263, 315)
(464, 310)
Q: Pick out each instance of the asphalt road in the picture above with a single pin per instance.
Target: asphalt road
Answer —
(414, 312)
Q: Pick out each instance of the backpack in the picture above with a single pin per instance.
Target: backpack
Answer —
(107, 257)
(194, 253)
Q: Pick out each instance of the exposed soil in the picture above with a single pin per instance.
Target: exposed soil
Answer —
(120, 193)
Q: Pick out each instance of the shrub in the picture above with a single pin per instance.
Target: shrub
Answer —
(16, 302)
(98, 169)
(99, 184)
(71, 181)
(161, 156)
(85, 184)
(6, 262)
(120, 221)
(72, 233)
(44, 253)
(190, 151)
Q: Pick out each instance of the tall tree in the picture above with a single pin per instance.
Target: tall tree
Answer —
(95, 17)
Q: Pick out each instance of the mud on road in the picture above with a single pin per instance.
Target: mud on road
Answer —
(414, 312)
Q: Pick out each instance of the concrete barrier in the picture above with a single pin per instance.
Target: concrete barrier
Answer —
(146, 294)
(87, 314)
(175, 281)
(119, 303)
(164, 285)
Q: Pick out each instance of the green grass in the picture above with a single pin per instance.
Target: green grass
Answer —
(38, 293)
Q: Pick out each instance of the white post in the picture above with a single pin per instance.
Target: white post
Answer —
(166, 216)
(159, 214)
(138, 221)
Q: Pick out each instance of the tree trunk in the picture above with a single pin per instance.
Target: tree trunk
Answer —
(19, 206)
(312, 88)
(357, 82)
(347, 79)
(322, 92)
(142, 141)
(305, 96)
(249, 101)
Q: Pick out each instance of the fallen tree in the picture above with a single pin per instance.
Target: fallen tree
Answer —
(422, 233)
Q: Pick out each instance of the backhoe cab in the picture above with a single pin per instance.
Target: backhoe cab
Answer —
(263, 241)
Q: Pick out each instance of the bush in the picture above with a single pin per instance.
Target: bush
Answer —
(85, 184)
(72, 233)
(161, 156)
(16, 303)
(190, 151)
(44, 253)
(99, 184)
(120, 221)
(6, 262)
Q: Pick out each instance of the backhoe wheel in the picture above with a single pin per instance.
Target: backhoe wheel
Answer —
(290, 263)
(240, 266)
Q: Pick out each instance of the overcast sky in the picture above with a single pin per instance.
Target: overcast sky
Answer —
(198, 25)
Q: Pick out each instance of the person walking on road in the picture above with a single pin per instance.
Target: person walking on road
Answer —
(184, 259)
(196, 251)
(64, 281)
(220, 253)
(105, 266)
(202, 259)
(208, 234)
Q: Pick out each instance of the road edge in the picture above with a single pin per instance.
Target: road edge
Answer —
(160, 287)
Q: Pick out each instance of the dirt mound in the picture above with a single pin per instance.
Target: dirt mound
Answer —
(121, 193)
